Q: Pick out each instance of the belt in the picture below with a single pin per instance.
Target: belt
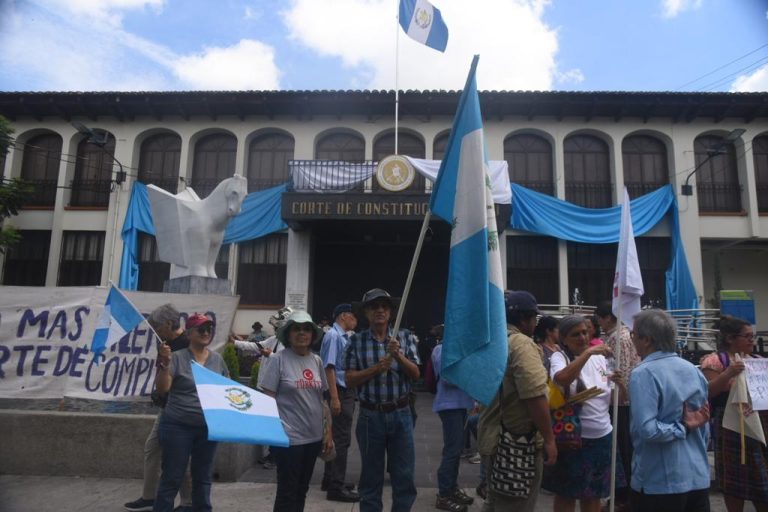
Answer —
(387, 407)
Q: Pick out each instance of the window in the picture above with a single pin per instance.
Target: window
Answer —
(261, 271)
(717, 179)
(214, 162)
(159, 161)
(440, 145)
(152, 272)
(407, 144)
(26, 263)
(590, 269)
(530, 162)
(653, 254)
(40, 167)
(645, 164)
(342, 147)
(268, 158)
(532, 266)
(760, 152)
(93, 173)
(82, 253)
(587, 172)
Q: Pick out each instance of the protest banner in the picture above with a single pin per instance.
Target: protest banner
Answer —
(757, 382)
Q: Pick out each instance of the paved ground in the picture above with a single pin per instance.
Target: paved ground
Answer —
(256, 489)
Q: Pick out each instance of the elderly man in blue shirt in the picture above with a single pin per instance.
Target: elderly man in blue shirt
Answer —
(342, 402)
(668, 422)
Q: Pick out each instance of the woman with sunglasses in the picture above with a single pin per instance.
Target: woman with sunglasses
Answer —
(182, 431)
(738, 482)
(296, 379)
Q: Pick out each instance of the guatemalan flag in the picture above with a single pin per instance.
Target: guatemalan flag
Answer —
(235, 413)
(475, 337)
(424, 23)
(119, 317)
(627, 281)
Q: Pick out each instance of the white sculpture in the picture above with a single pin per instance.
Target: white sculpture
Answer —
(190, 230)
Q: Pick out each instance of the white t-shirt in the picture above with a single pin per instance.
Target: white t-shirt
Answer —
(595, 421)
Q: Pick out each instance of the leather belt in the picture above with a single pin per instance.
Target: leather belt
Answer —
(387, 407)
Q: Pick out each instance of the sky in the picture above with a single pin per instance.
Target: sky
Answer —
(565, 45)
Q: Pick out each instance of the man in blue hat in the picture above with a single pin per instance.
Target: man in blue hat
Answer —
(342, 402)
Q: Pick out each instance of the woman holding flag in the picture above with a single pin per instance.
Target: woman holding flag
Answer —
(183, 432)
(295, 378)
(738, 482)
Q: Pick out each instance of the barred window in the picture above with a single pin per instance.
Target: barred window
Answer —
(26, 263)
(760, 152)
(214, 162)
(440, 145)
(268, 160)
(530, 162)
(152, 272)
(262, 270)
(340, 146)
(532, 266)
(82, 253)
(717, 178)
(93, 173)
(587, 172)
(40, 167)
(645, 164)
(159, 161)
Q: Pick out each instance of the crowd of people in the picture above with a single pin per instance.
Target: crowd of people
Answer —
(669, 412)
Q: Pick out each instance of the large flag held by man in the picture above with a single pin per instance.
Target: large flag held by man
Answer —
(235, 413)
(475, 336)
(627, 281)
(119, 317)
(423, 23)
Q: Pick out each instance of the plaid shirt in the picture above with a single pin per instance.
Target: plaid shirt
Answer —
(363, 351)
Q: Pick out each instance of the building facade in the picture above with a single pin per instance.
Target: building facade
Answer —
(580, 147)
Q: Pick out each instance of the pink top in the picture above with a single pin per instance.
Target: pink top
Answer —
(595, 341)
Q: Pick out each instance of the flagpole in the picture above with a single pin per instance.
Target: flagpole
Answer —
(397, 71)
(412, 271)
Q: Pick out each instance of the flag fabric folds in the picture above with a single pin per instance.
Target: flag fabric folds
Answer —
(627, 281)
(119, 317)
(235, 413)
(424, 23)
(475, 335)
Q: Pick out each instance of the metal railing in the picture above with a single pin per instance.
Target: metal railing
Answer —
(90, 193)
(43, 194)
(333, 176)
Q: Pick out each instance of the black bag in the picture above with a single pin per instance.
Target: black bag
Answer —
(514, 466)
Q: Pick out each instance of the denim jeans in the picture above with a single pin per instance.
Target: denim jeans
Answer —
(179, 442)
(453, 440)
(295, 465)
(389, 434)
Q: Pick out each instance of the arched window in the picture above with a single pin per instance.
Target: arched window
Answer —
(159, 161)
(587, 172)
(760, 152)
(645, 164)
(93, 173)
(214, 162)
(530, 162)
(440, 145)
(717, 178)
(268, 157)
(40, 167)
(340, 146)
(407, 144)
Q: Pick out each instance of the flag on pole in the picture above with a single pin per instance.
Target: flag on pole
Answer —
(119, 317)
(235, 413)
(475, 336)
(627, 281)
(424, 23)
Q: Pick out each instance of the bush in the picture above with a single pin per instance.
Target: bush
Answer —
(253, 382)
(230, 358)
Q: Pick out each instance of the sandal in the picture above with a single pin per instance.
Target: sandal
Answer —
(447, 503)
(461, 497)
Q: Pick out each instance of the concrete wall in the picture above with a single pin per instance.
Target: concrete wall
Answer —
(93, 445)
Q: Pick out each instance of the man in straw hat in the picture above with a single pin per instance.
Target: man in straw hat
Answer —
(383, 367)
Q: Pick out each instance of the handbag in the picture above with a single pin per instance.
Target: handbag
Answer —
(566, 423)
(513, 469)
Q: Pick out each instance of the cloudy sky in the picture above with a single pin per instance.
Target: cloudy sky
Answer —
(129, 45)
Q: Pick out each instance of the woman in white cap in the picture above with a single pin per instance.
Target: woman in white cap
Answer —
(296, 379)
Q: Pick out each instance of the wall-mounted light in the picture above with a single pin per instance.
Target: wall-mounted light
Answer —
(713, 151)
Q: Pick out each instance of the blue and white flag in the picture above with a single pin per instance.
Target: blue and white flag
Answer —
(627, 281)
(235, 413)
(119, 317)
(475, 337)
(423, 23)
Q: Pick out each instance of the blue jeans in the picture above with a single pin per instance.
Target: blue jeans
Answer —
(453, 440)
(295, 465)
(390, 434)
(179, 442)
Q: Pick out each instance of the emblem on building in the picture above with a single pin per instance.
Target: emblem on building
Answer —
(238, 398)
(395, 173)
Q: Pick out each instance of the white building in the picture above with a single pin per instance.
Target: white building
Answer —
(582, 147)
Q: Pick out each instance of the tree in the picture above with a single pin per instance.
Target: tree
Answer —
(13, 192)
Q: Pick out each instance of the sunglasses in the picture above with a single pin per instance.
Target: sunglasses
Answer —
(205, 329)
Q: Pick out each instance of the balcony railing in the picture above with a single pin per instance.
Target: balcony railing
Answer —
(333, 176)
(90, 193)
(719, 197)
(43, 194)
(168, 184)
(589, 195)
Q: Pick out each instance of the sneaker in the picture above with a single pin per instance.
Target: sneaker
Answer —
(460, 496)
(140, 505)
(447, 503)
(475, 459)
(482, 491)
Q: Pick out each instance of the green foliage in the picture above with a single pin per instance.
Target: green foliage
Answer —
(230, 358)
(254, 380)
(6, 136)
(13, 193)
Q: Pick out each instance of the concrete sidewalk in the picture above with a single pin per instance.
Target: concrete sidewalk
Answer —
(73, 494)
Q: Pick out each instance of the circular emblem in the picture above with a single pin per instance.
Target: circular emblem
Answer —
(308, 375)
(395, 173)
(422, 18)
(238, 398)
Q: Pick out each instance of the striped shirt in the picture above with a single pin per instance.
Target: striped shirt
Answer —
(363, 351)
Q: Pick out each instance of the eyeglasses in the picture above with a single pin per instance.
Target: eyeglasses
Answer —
(749, 336)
